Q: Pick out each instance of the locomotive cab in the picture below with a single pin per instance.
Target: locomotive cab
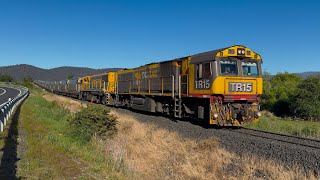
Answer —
(231, 78)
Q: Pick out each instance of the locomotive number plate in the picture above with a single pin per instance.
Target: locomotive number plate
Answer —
(240, 87)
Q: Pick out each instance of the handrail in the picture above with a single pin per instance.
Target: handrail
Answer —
(7, 109)
(173, 93)
(179, 83)
(148, 82)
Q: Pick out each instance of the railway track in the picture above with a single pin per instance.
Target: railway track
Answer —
(284, 138)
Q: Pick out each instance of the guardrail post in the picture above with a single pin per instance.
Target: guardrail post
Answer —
(9, 108)
(12, 104)
(1, 120)
(6, 114)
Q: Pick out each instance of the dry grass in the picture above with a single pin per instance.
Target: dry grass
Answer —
(69, 104)
(159, 154)
(155, 153)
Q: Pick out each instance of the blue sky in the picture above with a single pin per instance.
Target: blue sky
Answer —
(102, 34)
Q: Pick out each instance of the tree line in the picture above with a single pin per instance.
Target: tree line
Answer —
(27, 81)
(6, 78)
(290, 95)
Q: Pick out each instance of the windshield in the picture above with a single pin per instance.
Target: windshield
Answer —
(228, 67)
(250, 69)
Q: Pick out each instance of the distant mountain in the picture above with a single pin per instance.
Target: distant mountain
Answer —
(307, 74)
(18, 72)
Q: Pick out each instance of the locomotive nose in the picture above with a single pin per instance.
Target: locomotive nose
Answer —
(235, 114)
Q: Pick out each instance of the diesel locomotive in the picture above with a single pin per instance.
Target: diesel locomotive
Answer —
(220, 87)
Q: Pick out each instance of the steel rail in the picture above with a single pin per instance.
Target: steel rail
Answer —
(279, 135)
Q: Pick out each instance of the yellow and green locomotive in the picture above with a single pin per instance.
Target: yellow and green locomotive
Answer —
(220, 87)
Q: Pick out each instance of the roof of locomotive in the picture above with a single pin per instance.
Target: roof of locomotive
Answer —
(201, 57)
(204, 54)
(196, 58)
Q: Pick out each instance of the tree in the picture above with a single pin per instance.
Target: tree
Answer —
(27, 79)
(27, 82)
(70, 76)
(278, 91)
(266, 95)
(306, 103)
(5, 78)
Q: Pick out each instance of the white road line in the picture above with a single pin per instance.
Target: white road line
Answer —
(4, 91)
(19, 92)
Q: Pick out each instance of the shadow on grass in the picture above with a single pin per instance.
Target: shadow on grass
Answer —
(8, 165)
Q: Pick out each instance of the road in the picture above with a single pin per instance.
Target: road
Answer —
(6, 93)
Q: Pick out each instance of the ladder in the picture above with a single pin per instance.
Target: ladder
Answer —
(177, 107)
(178, 101)
(106, 99)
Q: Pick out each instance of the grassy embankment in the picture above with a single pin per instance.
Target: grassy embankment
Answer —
(52, 152)
(269, 122)
(138, 150)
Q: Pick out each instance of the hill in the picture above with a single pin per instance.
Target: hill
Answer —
(18, 72)
(307, 74)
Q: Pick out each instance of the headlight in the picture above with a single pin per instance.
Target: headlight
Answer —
(258, 114)
(231, 51)
(241, 51)
(215, 115)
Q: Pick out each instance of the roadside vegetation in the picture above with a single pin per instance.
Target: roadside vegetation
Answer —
(54, 151)
(288, 95)
(291, 105)
(92, 121)
(6, 78)
(26, 82)
(272, 123)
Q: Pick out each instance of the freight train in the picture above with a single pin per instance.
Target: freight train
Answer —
(221, 87)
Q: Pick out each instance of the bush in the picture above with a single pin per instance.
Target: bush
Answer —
(278, 90)
(93, 121)
(306, 103)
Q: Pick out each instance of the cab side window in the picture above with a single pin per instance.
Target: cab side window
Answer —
(203, 70)
(206, 72)
(199, 71)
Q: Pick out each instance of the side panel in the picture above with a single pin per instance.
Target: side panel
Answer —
(111, 82)
(168, 72)
(125, 81)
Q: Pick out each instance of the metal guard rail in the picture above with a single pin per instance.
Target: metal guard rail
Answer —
(8, 108)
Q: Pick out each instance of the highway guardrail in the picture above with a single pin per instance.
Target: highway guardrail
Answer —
(8, 108)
